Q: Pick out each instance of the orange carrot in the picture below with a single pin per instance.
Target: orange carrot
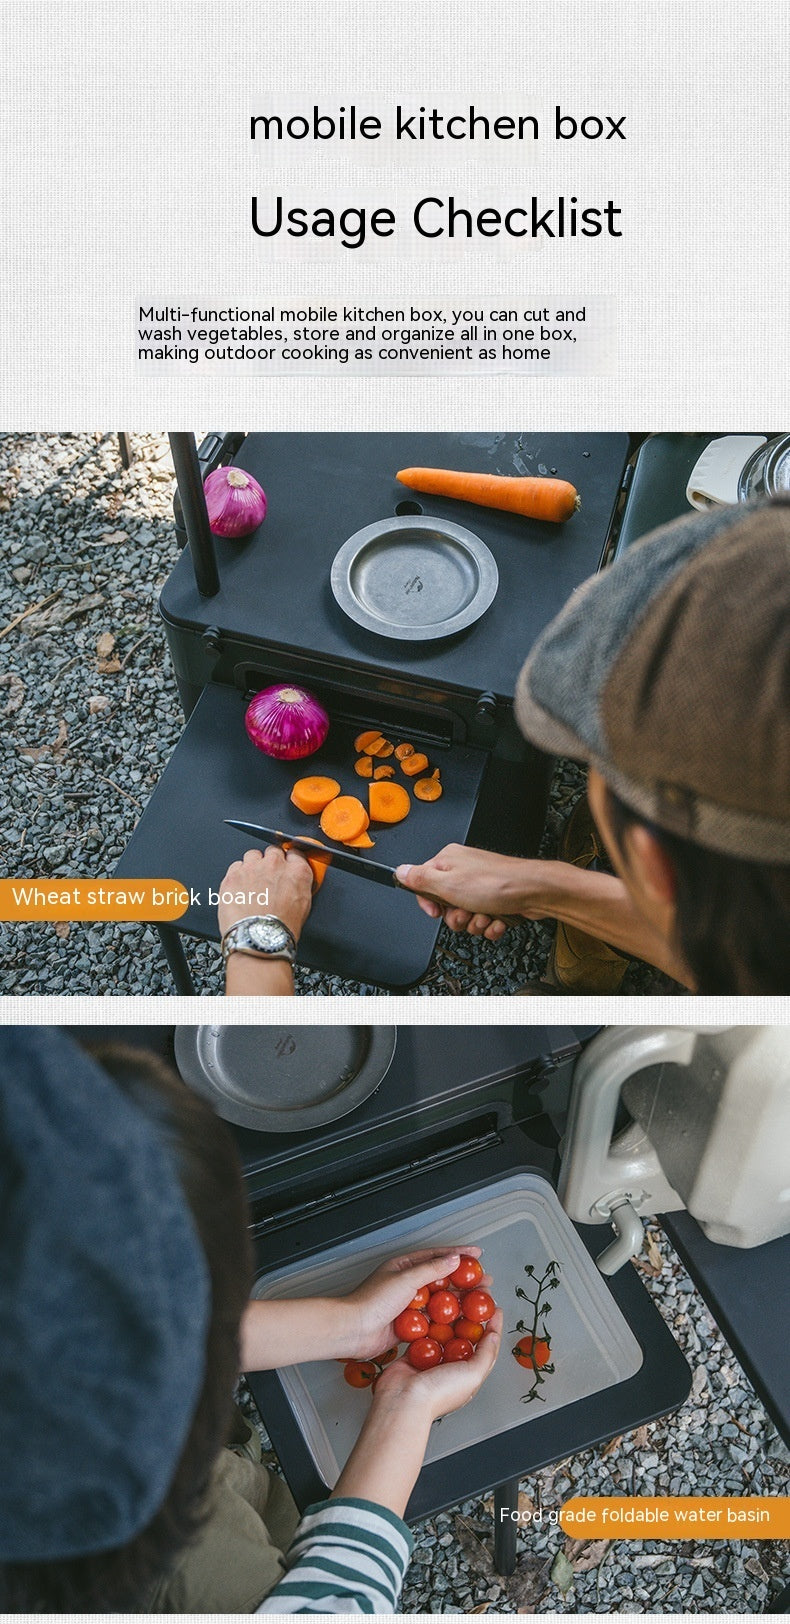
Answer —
(361, 840)
(428, 789)
(311, 795)
(380, 747)
(530, 495)
(364, 766)
(389, 803)
(319, 865)
(344, 818)
(362, 740)
(384, 772)
(404, 750)
(414, 764)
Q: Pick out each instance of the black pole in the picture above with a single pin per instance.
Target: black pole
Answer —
(193, 507)
(505, 1527)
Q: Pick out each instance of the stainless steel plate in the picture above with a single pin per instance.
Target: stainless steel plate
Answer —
(414, 578)
(284, 1079)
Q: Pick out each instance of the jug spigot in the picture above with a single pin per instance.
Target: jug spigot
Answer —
(629, 1235)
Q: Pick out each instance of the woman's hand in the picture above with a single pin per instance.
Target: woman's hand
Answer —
(446, 1387)
(478, 888)
(271, 882)
(385, 1462)
(378, 1301)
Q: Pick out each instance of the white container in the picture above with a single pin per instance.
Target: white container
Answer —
(518, 1221)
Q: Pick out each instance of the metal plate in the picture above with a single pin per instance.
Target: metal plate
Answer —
(284, 1080)
(414, 578)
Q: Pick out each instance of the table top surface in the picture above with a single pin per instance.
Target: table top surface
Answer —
(322, 488)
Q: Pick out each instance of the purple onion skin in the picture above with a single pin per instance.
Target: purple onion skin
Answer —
(286, 722)
(235, 501)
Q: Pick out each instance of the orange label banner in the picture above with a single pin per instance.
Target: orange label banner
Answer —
(751, 1516)
(159, 901)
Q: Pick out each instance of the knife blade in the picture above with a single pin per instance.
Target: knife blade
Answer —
(363, 867)
(348, 861)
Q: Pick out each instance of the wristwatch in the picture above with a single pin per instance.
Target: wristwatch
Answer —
(262, 936)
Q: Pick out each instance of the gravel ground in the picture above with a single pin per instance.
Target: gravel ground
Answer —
(90, 716)
(720, 1442)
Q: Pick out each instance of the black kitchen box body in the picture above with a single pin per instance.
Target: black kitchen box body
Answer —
(271, 616)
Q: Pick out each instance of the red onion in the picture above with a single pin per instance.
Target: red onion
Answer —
(236, 502)
(286, 722)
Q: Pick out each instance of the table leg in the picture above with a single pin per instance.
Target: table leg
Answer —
(505, 1527)
(126, 450)
(173, 950)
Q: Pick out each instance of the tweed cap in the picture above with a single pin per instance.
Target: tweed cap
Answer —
(104, 1306)
(670, 674)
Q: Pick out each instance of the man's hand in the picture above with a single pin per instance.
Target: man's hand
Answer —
(377, 1302)
(270, 882)
(478, 888)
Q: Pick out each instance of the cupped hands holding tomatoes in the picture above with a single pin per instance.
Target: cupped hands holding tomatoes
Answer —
(443, 1323)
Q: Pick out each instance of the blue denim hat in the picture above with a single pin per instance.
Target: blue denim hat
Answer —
(104, 1306)
(670, 674)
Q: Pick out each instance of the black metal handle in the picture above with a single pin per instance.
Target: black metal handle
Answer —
(193, 506)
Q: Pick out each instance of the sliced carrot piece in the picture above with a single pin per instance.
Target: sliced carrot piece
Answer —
(319, 865)
(389, 803)
(380, 747)
(383, 772)
(428, 789)
(404, 750)
(362, 740)
(344, 818)
(364, 766)
(311, 795)
(414, 764)
(361, 840)
(436, 773)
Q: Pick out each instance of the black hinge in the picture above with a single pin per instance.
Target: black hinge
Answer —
(378, 1181)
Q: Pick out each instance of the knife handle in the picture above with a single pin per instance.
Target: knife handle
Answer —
(507, 919)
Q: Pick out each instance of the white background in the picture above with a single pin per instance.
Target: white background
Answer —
(129, 170)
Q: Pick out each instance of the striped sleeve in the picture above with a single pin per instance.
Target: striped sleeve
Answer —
(348, 1556)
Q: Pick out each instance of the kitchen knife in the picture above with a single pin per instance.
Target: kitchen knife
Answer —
(347, 861)
(313, 848)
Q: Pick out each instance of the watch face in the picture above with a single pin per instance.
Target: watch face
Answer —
(268, 934)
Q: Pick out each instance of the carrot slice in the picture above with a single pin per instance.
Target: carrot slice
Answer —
(389, 803)
(344, 818)
(382, 747)
(364, 766)
(319, 865)
(362, 740)
(311, 795)
(428, 789)
(404, 750)
(361, 840)
(383, 772)
(414, 764)
(436, 773)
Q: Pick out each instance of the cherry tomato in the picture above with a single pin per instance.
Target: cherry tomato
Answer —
(458, 1349)
(387, 1358)
(443, 1307)
(420, 1297)
(443, 1333)
(531, 1352)
(360, 1373)
(468, 1329)
(425, 1353)
(469, 1273)
(478, 1306)
(410, 1325)
(437, 1285)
